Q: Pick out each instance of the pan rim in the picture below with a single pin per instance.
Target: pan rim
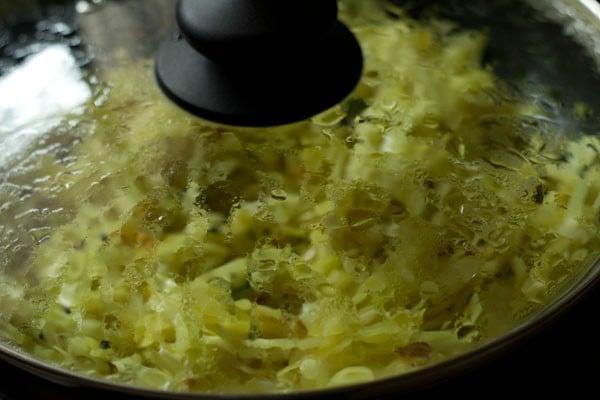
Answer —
(585, 9)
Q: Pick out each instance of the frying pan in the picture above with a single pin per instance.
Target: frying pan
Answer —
(553, 45)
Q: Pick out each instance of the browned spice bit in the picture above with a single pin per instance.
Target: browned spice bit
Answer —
(540, 194)
(262, 298)
(112, 368)
(79, 245)
(111, 322)
(300, 330)
(415, 350)
(190, 382)
(255, 363)
(95, 284)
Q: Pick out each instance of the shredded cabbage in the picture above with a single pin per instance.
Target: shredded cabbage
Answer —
(420, 218)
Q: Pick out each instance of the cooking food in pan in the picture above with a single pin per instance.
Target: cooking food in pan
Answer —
(430, 212)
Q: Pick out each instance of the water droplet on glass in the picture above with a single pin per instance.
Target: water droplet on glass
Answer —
(88, 6)
(360, 219)
(390, 106)
(431, 124)
(40, 235)
(327, 133)
(330, 118)
(278, 194)
(177, 35)
(55, 27)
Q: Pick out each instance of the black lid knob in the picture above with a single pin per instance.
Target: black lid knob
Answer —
(223, 29)
(258, 62)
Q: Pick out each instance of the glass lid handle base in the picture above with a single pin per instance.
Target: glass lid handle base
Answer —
(258, 62)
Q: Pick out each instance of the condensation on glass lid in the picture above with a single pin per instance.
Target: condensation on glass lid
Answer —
(37, 95)
(88, 6)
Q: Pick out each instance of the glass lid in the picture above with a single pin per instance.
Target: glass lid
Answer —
(444, 208)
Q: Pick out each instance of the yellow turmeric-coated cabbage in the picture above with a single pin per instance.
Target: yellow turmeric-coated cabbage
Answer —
(415, 221)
